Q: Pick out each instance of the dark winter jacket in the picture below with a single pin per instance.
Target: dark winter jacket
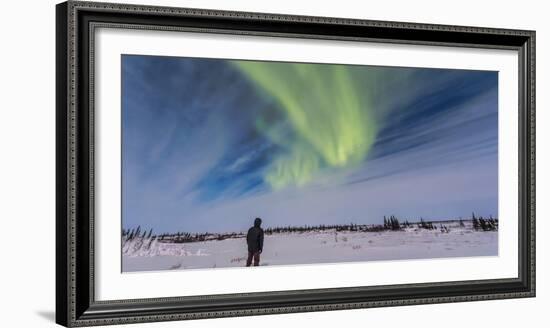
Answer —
(255, 237)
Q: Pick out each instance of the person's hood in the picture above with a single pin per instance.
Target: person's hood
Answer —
(257, 222)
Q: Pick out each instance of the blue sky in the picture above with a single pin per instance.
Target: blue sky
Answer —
(210, 144)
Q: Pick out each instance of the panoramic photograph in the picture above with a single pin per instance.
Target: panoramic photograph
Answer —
(241, 163)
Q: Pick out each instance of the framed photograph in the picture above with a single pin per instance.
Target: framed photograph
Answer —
(214, 163)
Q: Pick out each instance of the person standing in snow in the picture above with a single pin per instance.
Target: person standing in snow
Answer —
(255, 241)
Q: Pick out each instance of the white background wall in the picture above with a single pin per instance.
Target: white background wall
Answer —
(27, 161)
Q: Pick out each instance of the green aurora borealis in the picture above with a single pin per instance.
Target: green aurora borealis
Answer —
(329, 109)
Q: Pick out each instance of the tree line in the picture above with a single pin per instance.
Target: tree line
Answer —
(485, 224)
(177, 237)
(391, 223)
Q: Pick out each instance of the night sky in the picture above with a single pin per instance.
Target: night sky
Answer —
(210, 144)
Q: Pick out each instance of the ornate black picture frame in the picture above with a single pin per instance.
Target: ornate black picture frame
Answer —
(75, 279)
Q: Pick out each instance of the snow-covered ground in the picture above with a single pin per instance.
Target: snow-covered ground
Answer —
(312, 247)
